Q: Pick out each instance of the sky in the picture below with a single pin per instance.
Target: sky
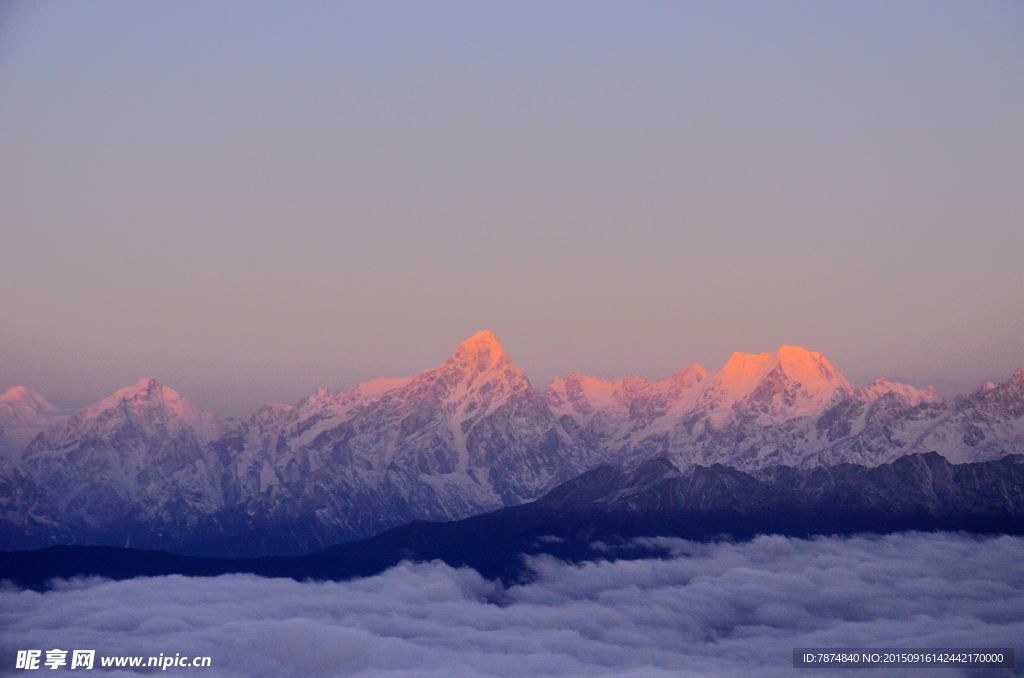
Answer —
(250, 200)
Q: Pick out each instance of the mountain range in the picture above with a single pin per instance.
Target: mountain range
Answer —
(146, 468)
(610, 512)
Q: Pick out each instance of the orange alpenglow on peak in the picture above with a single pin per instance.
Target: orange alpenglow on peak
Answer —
(481, 344)
(819, 382)
(797, 362)
(744, 368)
(483, 337)
(690, 375)
(799, 355)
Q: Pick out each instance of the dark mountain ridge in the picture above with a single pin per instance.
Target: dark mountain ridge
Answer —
(610, 506)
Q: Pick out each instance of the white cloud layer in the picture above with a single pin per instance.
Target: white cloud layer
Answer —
(733, 609)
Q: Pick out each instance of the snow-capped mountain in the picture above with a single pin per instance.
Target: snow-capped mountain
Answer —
(148, 407)
(904, 393)
(23, 414)
(788, 407)
(139, 455)
(772, 388)
(609, 413)
(468, 436)
(147, 467)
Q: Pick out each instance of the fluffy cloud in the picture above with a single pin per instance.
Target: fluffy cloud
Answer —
(707, 608)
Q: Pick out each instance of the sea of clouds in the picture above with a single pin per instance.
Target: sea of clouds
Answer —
(719, 609)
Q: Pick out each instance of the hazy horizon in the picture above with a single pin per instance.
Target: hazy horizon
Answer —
(943, 387)
(250, 201)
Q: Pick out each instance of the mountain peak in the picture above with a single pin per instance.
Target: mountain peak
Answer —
(690, 375)
(147, 384)
(797, 353)
(800, 358)
(911, 395)
(481, 349)
(146, 388)
(145, 394)
(482, 338)
(744, 370)
(23, 412)
(318, 398)
(651, 471)
(146, 403)
(23, 395)
(807, 366)
(791, 382)
(797, 362)
(477, 378)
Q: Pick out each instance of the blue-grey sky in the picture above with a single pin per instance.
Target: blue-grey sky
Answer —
(247, 200)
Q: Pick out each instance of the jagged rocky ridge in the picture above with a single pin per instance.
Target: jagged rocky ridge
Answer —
(612, 512)
(146, 468)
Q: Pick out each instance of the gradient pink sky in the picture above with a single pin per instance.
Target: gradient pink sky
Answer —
(248, 201)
